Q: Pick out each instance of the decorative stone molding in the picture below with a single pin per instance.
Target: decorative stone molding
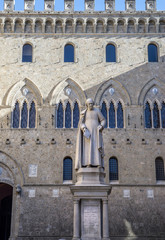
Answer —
(9, 5)
(49, 5)
(130, 5)
(110, 5)
(89, 5)
(150, 5)
(69, 5)
(29, 5)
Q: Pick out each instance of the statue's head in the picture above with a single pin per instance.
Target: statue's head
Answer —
(89, 103)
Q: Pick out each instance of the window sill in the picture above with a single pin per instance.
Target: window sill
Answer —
(68, 182)
(162, 182)
(114, 182)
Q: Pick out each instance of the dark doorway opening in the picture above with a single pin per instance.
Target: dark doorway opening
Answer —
(6, 193)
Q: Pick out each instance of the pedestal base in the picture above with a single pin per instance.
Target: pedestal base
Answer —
(90, 205)
(90, 176)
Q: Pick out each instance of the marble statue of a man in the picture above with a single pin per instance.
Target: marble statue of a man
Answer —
(89, 147)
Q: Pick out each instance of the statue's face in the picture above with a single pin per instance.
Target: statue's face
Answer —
(90, 106)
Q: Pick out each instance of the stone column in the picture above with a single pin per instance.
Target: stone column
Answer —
(76, 220)
(105, 219)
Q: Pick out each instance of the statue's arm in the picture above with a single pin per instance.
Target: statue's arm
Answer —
(101, 119)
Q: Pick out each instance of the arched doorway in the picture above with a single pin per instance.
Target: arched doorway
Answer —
(6, 193)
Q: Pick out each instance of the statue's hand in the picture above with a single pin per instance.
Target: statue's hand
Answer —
(100, 127)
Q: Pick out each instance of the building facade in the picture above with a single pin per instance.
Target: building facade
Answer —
(50, 63)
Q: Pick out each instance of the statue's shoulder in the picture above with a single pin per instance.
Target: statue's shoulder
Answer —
(83, 112)
(97, 109)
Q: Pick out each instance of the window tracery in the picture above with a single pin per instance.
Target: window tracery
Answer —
(23, 116)
(159, 165)
(71, 114)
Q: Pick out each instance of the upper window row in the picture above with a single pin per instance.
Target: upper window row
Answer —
(69, 53)
(88, 27)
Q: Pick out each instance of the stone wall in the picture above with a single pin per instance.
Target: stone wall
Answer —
(44, 210)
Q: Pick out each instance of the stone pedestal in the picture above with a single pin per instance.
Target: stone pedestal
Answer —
(90, 194)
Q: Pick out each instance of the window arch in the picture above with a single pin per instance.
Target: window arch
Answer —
(110, 26)
(120, 26)
(24, 115)
(100, 26)
(152, 26)
(159, 166)
(89, 27)
(69, 53)
(120, 122)
(16, 115)
(152, 53)
(38, 26)
(131, 26)
(148, 120)
(27, 53)
(60, 117)
(32, 115)
(141, 26)
(156, 118)
(76, 115)
(28, 27)
(113, 169)
(69, 26)
(7, 26)
(67, 169)
(48, 27)
(68, 116)
(110, 53)
(59, 27)
(112, 120)
(18, 26)
(104, 111)
(163, 114)
(162, 26)
(79, 26)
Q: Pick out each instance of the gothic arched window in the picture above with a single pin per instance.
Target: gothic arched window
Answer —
(120, 122)
(163, 114)
(16, 115)
(69, 53)
(159, 165)
(32, 115)
(148, 121)
(76, 115)
(24, 115)
(67, 169)
(113, 169)
(104, 112)
(110, 53)
(27, 53)
(68, 115)
(112, 121)
(156, 119)
(152, 53)
(60, 116)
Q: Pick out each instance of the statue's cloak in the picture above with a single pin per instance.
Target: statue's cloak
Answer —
(81, 158)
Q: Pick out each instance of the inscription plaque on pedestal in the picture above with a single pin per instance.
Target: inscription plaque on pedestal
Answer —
(91, 219)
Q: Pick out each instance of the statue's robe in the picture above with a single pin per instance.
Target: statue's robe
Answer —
(90, 151)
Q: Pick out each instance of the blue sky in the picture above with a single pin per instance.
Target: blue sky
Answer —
(79, 5)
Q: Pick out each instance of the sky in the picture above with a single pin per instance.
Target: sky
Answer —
(79, 5)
